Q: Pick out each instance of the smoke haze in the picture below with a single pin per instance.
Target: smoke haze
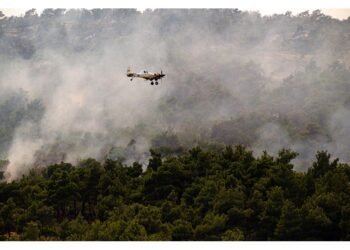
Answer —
(232, 77)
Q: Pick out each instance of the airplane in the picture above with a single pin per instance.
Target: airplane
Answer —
(144, 74)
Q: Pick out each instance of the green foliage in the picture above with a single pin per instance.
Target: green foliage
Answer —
(289, 226)
(76, 228)
(233, 235)
(3, 164)
(134, 231)
(182, 230)
(322, 164)
(31, 231)
(223, 194)
(7, 216)
(156, 161)
(211, 227)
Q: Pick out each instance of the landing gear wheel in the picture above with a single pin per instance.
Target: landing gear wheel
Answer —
(156, 83)
(151, 83)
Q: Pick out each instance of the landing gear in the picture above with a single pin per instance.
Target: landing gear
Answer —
(156, 83)
(151, 83)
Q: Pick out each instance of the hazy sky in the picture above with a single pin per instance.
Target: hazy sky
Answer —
(336, 8)
(336, 13)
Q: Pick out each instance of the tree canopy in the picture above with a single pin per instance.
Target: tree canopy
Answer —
(223, 194)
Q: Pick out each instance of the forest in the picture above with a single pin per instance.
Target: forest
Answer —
(246, 138)
(220, 194)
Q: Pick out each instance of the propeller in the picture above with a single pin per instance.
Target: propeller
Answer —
(161, 73)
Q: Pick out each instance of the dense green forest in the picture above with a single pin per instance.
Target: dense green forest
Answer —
(218, 194)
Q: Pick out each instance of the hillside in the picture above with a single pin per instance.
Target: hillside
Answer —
(247, 137)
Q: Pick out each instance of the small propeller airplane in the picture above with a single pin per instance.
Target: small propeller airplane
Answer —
(144, 74)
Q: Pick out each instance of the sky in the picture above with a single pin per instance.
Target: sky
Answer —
(339, 9)
(340, 14)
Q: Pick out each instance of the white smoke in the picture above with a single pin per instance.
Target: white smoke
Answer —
(218, 74)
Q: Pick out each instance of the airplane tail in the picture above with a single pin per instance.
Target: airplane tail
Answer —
(129, 72)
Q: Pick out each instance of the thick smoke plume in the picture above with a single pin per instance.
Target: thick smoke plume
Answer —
(232, 77)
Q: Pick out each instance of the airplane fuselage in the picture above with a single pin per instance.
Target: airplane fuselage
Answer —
(146, 76)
